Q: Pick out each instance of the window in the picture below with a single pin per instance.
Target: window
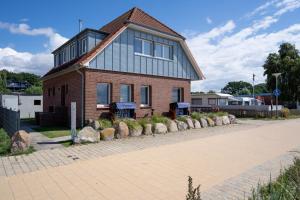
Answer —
(196, 101)
(72, 51)
(67, 89)
(49, 92)
(64, 54)
(145, 96)
(212, 101)
(56, 60)
(37, 102)
(144, 47)
(125, 93)
(83, 47)
(163, 51)
(177, 95)
(222, 102)
(103, 94)
(53, 91)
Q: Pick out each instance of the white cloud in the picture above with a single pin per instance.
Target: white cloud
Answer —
(38, 63)
(225, 55)
(209, 20)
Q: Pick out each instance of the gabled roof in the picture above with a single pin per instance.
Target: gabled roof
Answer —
(138, 17)
(134, 16)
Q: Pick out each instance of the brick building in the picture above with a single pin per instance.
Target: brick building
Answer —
(134, 58)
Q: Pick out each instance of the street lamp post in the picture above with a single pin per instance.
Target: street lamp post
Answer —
(276, 76)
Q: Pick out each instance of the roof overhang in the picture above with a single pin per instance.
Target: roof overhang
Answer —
(62, 72)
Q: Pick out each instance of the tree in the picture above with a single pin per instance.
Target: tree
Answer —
(237, 88)
(34, 90)
(3, 78)
(260, 88)
(287, 62)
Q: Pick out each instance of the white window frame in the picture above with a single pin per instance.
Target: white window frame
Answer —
(163, 51)
(83, 45)
(64, 55)
(109, 96)
(143, 54)
(148, 96)
(72, 54)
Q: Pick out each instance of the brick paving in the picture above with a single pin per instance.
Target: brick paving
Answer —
(226, 165)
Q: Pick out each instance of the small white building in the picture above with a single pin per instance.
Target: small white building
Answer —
(211, 99)
(245, 101)
(26, 104)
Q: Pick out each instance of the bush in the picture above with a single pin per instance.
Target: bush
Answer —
(5, 142)
(159, 119)
(132, 124)
(285, 112)
(286, 186)
(181, 118)
(34, 90)
(105, 123)
(143, 122)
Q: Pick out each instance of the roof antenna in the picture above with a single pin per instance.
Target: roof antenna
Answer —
(80, 25)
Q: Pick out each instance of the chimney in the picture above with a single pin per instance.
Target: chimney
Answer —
(80, 25)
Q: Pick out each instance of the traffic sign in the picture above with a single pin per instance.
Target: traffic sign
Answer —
(276, 92)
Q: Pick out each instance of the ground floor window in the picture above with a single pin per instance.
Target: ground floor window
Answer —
(177, 94)
(212, 101)
(37, 102)
(125, 93)
(103, 94)
(197, 101)
(222, 102)
(145, 96)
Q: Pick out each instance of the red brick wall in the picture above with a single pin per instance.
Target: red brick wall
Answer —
(161, 93)
(73, 80)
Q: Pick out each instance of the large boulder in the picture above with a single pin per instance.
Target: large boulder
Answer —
(210, 122)
(95, 124)
(147, 129)
(197, 124)
(225, 120)
(122, 130)
(136, 131)
(172, 126)
(203, 123)
(88, 134)
(190, 123)
(20, 141)
(182, 126)
(232, 119)
(107, 134)
(160, 128)
(218, 121)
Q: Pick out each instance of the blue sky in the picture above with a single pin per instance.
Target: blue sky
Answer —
(229, 39)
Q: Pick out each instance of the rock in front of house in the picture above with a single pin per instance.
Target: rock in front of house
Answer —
(197, 124)
(95, 124)
(88, 134)
(107, 134)
(172, 126)
(122, 130)
(232, 119)
(225, 120)
(210, 122)
(218, 121)
(20, 141)
(147, 129)
(160, 128)
(203, 123)
(190, 123)
(182, 126)
(136, 131)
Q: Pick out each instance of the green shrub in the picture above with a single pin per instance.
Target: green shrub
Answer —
(159, 119)
(5, 142)
(285, 112)
(143, 121)
(26, 152)
(286, 186)
(105, 123)
(132, 124)
(181, 118)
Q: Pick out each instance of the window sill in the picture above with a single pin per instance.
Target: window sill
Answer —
(102, 107)
(149, 56)
(145, 107)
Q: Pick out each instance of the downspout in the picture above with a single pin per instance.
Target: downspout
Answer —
(82, 95)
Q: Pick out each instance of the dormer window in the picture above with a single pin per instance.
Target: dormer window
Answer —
(83, 46)
(144, 47)
(64, 54)
(72, 50)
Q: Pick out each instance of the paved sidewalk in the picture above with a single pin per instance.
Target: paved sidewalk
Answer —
(161, 172)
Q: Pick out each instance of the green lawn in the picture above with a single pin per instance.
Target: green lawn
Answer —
(53, 132)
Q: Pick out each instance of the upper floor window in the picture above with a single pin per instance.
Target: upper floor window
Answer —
(83, 46)
(125, 93)
(72, 51)
(103, 94)
(145, 96)
(177, 94)
(163, 51)
(64, 55)
(144, 47)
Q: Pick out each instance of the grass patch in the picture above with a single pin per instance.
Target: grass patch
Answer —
(198, 115)
(105, 123)
(286, 186)
(143, 121)
(30, 121)
(5, 143)
(159, 119)
(53, 132)
(26, 152)
(181, 118)
(132, 124)
(66, 143)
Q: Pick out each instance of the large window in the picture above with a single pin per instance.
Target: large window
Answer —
(163, 51)
(212, 101)
(145, 96)
(177, 95)
(103, 94)
(196, 101)
(125, 93)
(144, 47)
(222, 102)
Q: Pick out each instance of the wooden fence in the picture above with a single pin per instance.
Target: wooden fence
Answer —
(9, 120)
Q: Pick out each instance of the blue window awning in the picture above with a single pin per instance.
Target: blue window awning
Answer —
(125, 105)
